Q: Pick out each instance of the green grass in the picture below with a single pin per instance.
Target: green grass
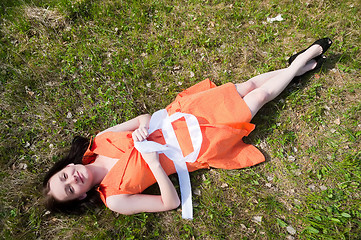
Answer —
(75, 67)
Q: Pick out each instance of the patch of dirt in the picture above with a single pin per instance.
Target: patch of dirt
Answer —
(45, 17)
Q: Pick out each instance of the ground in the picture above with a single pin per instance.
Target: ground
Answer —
(72, 68)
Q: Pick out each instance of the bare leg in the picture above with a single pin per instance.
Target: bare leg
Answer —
(259, 90)
(257, 81)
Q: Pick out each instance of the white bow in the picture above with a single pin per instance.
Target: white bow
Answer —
(161, 120)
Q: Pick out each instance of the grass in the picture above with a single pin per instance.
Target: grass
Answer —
(74, 67)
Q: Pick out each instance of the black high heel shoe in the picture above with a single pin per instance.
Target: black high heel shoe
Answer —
(325, 43)
(320, 60)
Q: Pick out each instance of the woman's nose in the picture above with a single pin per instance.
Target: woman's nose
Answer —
(74, 179)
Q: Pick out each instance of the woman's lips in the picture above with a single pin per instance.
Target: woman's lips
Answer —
(80, 177)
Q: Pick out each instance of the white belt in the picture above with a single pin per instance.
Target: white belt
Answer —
(161, 120)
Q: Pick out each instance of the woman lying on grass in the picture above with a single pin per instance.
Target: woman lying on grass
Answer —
(203, 126)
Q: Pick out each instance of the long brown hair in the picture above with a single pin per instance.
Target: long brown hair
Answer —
(78, 147)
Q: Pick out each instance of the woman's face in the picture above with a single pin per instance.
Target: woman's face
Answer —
(72, 182)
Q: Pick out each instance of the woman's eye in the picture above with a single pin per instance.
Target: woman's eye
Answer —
(65, 176)
(71, 189)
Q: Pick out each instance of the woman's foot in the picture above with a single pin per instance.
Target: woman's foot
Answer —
(305, 57)
(325, 43)
(320, 61)
(312, 65)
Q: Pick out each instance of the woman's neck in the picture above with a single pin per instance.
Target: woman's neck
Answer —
(100, 168)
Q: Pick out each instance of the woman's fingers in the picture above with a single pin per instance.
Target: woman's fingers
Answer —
(143, 132)
(137, 137)
(140, 134)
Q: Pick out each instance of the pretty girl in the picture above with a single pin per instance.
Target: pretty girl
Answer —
(112, 162)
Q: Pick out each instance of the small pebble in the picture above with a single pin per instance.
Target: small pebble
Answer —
(291, 158)
(297, 172)
(337, 121)
(243, 227)
(291, 230)
(263, 144)
(312, 187)
(23, 166)
(46, 213)
(257, 219)
(224, 185)
(197, 192)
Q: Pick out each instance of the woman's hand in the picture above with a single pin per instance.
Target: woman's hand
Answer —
(140, 134)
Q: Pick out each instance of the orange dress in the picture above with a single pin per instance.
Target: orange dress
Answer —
(224, 119)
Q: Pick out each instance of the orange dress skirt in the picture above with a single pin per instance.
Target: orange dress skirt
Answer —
(224, 119)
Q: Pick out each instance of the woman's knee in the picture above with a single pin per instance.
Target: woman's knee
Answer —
(256, 99)
(264, 95)
(260, 95)
(244, 88)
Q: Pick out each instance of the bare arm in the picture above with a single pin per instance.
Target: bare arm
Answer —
(136, 203)
(140, 122)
